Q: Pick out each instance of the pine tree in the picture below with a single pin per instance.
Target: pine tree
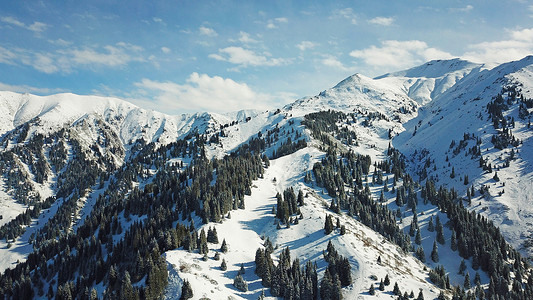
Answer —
(343, 230)
(396, 289)
(435, 252)
(420, 295)
(453, 241)
(326, 285)
(328, 226)
(224, 246)
(477, 279)
(466, 283)
(462, 267)
(381, 285)
(431, 226)
(204, 249)
(372, 291)
(418, 237)
(420, 254)
(212, 236)
(387, 280)
(223, 265)
(300, 198)
(440, 234)
(186, 291)
(240, 283)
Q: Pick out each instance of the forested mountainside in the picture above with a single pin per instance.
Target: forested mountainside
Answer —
(414, 184)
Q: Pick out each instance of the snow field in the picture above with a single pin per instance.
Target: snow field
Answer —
(306, 240)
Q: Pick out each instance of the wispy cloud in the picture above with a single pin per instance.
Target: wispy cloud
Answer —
(36, 27)
(7, 56)
(383, 21)
(202, 92)
(165, 50)
(67, 59)
(399, 54)
(245, 38)
(245, 57)
(304, 45)
(333, 62)
(465, 9)
(273, 23)
(60, 42)
(29, 89)
(207, 31)
(345, 13)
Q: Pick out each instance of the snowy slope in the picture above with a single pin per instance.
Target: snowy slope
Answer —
(462, 109)
(247, 229)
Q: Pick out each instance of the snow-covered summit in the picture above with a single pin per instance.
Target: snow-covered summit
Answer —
(63, 110)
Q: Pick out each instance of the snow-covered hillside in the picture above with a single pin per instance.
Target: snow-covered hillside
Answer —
(463, 110)
(463, 126)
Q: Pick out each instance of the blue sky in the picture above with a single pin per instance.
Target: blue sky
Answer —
(187, 56)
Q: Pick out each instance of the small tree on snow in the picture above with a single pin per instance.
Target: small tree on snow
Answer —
(240, 283)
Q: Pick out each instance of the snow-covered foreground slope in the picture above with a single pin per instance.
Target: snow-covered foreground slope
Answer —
(247, 230)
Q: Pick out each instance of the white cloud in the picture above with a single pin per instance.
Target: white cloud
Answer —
(207, 31)
(345, 13)
(60, 42)
(245, 38)
(383, 21)
(35, 27)
(157, 20)
(113, 56)
(304, 45)
(463, 9)
(202, 92)
(65, 60)
(165, 50)
(273, 23)
(399, 54)
(7, 56)
(28, 89)
(519, 45)
(245, 57)
(12, 21)
(333, 62)
(45, 63)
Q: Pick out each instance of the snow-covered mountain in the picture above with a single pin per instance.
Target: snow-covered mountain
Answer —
(81, 152)
(129, 121)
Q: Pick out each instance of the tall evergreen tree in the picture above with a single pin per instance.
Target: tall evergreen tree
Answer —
(435, 252)
(328, 226)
